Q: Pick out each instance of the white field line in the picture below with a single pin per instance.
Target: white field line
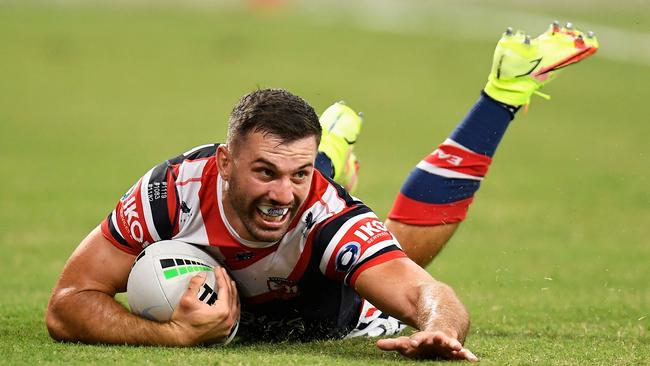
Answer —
(469, 21)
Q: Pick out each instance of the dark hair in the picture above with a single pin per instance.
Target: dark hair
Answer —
(276, 112)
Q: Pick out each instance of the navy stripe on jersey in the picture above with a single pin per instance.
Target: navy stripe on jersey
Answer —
(115, 234)
(324, 165)
(389, 248)
(349, 200)
(201, 152)
(327, 232)
(158, 191)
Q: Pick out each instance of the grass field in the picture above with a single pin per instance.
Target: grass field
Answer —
(553, 261)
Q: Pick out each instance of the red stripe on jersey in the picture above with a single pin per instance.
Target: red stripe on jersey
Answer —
(413, 212)
(215, 228)
(238, 256)
(459, 160)
(376, 261)
(304, 259)
(172, 200)
(196, 179)
(107, 234)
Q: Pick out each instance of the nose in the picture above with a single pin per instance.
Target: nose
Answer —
(281, 193)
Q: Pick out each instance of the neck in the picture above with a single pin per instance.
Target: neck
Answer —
(231, 215)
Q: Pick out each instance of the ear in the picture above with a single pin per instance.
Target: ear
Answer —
(224, 161)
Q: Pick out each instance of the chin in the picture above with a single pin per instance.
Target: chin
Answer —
(268, 236)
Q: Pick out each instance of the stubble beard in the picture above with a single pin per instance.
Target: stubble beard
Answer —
(246, 211)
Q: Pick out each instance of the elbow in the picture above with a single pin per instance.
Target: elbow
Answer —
(55, 320)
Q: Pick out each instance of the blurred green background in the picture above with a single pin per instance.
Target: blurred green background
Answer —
(553, 261)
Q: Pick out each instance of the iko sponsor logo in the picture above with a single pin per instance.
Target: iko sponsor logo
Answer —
(347, 256)
(132, 219)
(370, 230)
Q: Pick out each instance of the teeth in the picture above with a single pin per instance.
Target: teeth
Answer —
(273, 211)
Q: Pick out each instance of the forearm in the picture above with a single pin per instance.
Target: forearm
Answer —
(96, 317)
(406, 291)
(437, 308)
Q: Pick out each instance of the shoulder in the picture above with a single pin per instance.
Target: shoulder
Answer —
(324, 187)
(196, 153)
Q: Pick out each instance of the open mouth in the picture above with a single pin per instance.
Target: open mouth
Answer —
(273, 214)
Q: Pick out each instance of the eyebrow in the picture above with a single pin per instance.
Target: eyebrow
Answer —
(264, 161)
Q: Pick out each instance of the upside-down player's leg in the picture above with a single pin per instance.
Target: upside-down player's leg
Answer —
(436, 196)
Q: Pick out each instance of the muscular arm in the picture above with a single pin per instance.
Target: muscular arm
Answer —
(83, 308)
(406, 291)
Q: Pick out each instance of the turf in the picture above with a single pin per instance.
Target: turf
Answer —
(553, 261)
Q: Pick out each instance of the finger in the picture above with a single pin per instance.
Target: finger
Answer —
(233, 295)
(238, 302)
(223, 296)
(447, 342)
(393, 344)
(195, 284)
(420, 338)
(465, 354)
(232, 290)
(191, 295)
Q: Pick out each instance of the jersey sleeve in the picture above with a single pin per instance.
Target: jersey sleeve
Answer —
(146, 213)
(353, 242)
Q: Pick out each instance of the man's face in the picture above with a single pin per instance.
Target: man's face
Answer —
(267, 182)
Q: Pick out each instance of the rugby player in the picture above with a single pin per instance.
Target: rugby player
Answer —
(308, 260)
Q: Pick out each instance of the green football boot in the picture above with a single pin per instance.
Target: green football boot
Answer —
(521, 65)
(341, 127)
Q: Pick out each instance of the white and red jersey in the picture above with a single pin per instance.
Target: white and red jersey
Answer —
(305, 280)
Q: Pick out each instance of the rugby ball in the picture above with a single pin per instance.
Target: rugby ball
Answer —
(161, 274)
